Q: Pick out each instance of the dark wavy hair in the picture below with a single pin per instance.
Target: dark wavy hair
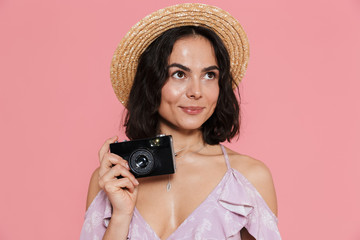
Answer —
(142, 116)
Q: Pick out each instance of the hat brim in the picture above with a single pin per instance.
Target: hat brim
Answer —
(142, 34)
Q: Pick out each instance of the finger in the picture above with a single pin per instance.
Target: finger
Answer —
(116, 171)
(125, 173)
(117, 184)
(105, 147)
(111, 159)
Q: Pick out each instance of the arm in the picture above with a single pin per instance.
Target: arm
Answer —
(260, 177)
(122, 193)
(118, 228)
(94, 188)
(118, 225)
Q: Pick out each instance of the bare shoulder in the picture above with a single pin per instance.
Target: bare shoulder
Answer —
(258, 175)
(94, 188)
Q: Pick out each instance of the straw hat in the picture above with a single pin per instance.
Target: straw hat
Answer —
(142, 34)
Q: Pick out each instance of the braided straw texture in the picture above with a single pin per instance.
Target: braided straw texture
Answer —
(141, 35)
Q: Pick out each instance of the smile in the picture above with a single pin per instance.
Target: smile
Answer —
(192, 110)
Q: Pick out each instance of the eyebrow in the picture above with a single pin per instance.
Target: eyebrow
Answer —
(188, 69)
(211, 68)
(179, 66)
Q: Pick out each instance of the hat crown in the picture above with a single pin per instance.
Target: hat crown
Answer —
(142, 34)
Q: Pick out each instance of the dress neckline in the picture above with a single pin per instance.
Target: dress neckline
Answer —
(136, 211)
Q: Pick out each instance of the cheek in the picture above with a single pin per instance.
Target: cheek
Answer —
(214, 95)
(170, 94)
(214, 100)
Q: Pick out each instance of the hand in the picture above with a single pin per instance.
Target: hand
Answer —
(122, 192)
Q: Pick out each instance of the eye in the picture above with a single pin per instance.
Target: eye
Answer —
(178, 75)
(210, 75)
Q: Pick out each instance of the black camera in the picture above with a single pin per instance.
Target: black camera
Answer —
(147, 157)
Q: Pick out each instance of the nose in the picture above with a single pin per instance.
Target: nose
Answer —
(194, 89)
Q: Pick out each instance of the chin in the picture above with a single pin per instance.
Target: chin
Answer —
(190, 126)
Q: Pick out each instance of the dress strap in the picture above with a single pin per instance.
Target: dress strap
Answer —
(225, 156)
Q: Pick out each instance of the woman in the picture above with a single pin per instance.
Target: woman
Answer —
(186, 64)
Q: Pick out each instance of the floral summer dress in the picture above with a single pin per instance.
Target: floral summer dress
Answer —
(232, 205)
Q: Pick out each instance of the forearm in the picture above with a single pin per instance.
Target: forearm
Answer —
(118, 228)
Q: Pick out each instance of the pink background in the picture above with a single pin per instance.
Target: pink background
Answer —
(300, 105)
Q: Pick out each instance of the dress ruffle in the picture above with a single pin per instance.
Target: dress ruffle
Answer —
(97, 218)
(239, 196)
(235, 198)
(242, 207)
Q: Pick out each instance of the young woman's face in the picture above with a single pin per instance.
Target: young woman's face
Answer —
(189, 95)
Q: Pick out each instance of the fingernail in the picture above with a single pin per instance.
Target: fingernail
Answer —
(136, 181)
(127, 165)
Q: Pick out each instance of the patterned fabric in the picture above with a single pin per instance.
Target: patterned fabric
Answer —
(232, 205)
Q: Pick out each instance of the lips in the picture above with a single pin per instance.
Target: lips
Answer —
(192, 110)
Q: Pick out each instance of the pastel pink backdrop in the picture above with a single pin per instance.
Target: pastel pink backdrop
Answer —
(300, 106)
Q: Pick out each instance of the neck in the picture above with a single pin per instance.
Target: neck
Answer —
(186, 140)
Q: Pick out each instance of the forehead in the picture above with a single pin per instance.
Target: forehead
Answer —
(192, 49)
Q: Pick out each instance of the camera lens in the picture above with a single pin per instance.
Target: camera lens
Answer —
(141, 162)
